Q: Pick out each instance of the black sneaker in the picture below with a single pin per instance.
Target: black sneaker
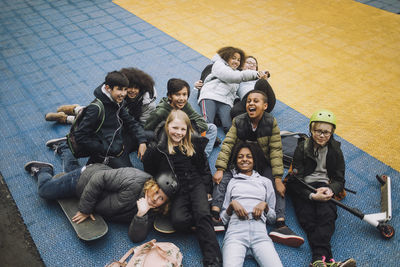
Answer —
(286, 236)
(33, 167)
(54, 144)
(218, 225)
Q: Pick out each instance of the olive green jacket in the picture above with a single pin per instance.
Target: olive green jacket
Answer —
(268, 137)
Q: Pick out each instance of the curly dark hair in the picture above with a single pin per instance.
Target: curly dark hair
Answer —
(139, 79)
(256, 151)
(227, 52)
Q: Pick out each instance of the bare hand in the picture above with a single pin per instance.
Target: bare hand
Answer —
(239, 210)
(80, 217)
(280, 187)
(259, 209)
(322, 194)
(142, 206)
(218, 176)
(141, 150)
(199, 84)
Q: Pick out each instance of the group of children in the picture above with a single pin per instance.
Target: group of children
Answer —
(174, 143)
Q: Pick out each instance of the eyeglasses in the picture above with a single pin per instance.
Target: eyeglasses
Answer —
(251, 63)
(324, 133)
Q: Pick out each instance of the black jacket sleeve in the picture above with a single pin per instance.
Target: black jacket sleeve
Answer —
(298, 164)
(135, 127)
(140, 227)
(85, 134)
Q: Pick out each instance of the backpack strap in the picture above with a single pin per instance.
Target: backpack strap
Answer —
(97, 102)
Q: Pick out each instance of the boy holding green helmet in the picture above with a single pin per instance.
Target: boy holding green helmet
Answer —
(319, 162)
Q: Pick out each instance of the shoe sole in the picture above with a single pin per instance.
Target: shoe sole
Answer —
(348, 263)
(28, 165)
(50, 143)
(288, 240)
(219, 228)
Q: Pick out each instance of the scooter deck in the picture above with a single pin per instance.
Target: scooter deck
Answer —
(87, 230)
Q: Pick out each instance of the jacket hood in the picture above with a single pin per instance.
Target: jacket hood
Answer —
(101, 93)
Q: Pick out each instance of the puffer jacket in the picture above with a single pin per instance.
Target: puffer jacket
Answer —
(164, 108)
(156, 160)
(305, 164)
(223, 82)
(108, 138)
(110, 192)
(268, 138)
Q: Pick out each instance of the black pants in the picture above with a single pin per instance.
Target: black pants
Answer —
(190, 208)
(318, 221)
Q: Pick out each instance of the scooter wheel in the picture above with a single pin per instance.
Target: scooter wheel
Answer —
(386, 230)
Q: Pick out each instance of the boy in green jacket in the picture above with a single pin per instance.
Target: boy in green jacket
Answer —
(262, 128)
(178, 92)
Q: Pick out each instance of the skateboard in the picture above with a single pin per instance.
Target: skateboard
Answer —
(87, 230)
(163, 224)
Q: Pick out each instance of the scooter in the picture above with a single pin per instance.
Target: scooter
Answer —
(378, 220)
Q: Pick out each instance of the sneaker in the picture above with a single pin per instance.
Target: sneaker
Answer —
(54, 144)
(67, 109)
(218, 225)
(318, 263)
(346, 263)
(286, 236)
(59, 117)
(33, 167)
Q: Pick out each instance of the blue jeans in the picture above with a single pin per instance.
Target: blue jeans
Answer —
(248, 237)
(210, 108)
(211, 134)
(69, 162)
(61, 187)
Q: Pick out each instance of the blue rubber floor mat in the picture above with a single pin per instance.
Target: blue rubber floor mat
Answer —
(57, 52)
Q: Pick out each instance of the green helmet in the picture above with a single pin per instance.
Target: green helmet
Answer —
(323, 115)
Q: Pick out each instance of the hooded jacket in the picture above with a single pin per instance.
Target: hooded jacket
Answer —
(108, 140)
(223, 82)
(249, 191)
(164, 108)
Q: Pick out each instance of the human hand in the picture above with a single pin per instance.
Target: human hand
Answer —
(323, 194)
(141, 150)
(80, 217)
(239, 210)
(218, 176)
(142, 206)
(280, 187)
(198, 85)
(259, 209)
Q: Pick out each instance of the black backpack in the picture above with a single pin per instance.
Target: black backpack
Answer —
(289, 144)
(77, 150)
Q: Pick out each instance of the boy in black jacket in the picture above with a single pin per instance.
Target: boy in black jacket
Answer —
(107, 145)
(319, 162)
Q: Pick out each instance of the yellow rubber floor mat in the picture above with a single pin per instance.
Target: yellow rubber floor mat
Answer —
(340, 55)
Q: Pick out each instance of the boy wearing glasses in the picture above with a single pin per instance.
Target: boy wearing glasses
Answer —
(319, 162)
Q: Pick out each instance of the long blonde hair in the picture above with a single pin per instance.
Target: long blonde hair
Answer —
(152, 186)
(185, 145)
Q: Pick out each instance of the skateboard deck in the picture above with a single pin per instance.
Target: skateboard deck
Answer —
(163, 224)
(87, 230)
